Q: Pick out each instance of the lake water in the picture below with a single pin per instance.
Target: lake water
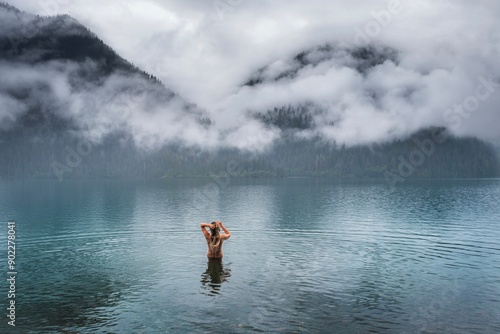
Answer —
(305, 256)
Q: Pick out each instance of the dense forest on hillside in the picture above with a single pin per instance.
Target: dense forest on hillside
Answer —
(58, 158)
(359, 58)
(42, 141)
(41, 39)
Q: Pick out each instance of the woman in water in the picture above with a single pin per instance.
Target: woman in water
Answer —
(215, 238)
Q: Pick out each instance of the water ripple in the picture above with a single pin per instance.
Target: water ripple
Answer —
(304, 257)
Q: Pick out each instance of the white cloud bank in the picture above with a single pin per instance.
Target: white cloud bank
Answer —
(205, 50)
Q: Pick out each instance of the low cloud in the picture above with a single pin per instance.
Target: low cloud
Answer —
(121, 103)
(206, 52)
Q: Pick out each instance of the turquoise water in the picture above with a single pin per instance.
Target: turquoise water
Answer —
(305, 256)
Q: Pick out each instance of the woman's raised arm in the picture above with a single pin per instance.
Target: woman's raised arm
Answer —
(226, 231)
(204, 230)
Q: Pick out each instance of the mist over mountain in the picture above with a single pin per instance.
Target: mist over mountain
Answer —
(359, 58)
(311, 114)
(59, 76)
(70, 106)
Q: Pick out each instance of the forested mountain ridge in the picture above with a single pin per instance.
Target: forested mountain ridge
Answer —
(359, 58)
(58, 79)
(33, 39)
(48, 59)
(289, 157)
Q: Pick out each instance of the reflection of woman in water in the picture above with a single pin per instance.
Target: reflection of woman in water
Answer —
(215, 274)
(215, 238)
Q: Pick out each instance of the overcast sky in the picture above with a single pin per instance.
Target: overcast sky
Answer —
(205, 50)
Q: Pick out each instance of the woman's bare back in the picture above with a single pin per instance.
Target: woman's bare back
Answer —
(215, 252)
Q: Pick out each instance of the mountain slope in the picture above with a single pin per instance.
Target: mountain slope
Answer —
(71, 107)
(53, 63)
(360, 58)
(34, 39)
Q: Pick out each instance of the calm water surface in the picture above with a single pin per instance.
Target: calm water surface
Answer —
(306, 256)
